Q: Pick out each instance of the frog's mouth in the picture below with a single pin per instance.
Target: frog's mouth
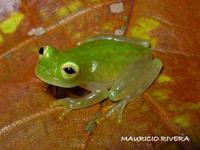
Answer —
(51, 82)
(61, 91)
(46, 77)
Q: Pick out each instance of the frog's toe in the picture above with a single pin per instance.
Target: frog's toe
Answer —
(63, 113)
(61, 102)
(119, 116)
(64, 103)
(117, 110)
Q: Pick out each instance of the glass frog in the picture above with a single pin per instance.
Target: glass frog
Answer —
(109, 66)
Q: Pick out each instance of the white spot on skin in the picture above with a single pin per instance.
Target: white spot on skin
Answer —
(37, 31)
(117, 8)
(56, 79)
(94, 66)
(78, 103)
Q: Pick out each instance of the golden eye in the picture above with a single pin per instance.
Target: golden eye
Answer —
(69, 70)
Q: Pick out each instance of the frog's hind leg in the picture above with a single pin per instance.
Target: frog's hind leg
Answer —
(132, 83)
(134, 41)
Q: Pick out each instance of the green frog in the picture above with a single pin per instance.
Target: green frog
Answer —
(114, 67)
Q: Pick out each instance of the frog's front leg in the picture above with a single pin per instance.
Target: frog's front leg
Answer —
(88, 100)
(132, 83)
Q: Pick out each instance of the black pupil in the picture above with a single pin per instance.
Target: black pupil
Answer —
(41, 50)
(69, 70)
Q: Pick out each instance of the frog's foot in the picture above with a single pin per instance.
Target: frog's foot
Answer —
(67, 104)
(116, 110)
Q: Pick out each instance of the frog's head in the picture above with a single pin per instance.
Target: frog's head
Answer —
(54, 68)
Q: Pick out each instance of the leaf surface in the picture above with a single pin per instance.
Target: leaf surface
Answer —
(169, 107)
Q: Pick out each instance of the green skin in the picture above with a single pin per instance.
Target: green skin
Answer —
(113, 67)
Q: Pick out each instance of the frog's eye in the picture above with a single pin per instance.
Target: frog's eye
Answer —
(41, 51)
(69, 70)
(46, 51)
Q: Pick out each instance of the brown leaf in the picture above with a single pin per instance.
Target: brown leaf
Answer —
(169, 107)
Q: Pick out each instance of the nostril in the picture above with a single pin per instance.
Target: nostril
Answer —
(41, 50)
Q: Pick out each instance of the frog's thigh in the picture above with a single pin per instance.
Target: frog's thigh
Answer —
(135, 80)
(142, 42)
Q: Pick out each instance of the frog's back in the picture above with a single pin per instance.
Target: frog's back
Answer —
(107, 58)
(118, 49)
(111, 52)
